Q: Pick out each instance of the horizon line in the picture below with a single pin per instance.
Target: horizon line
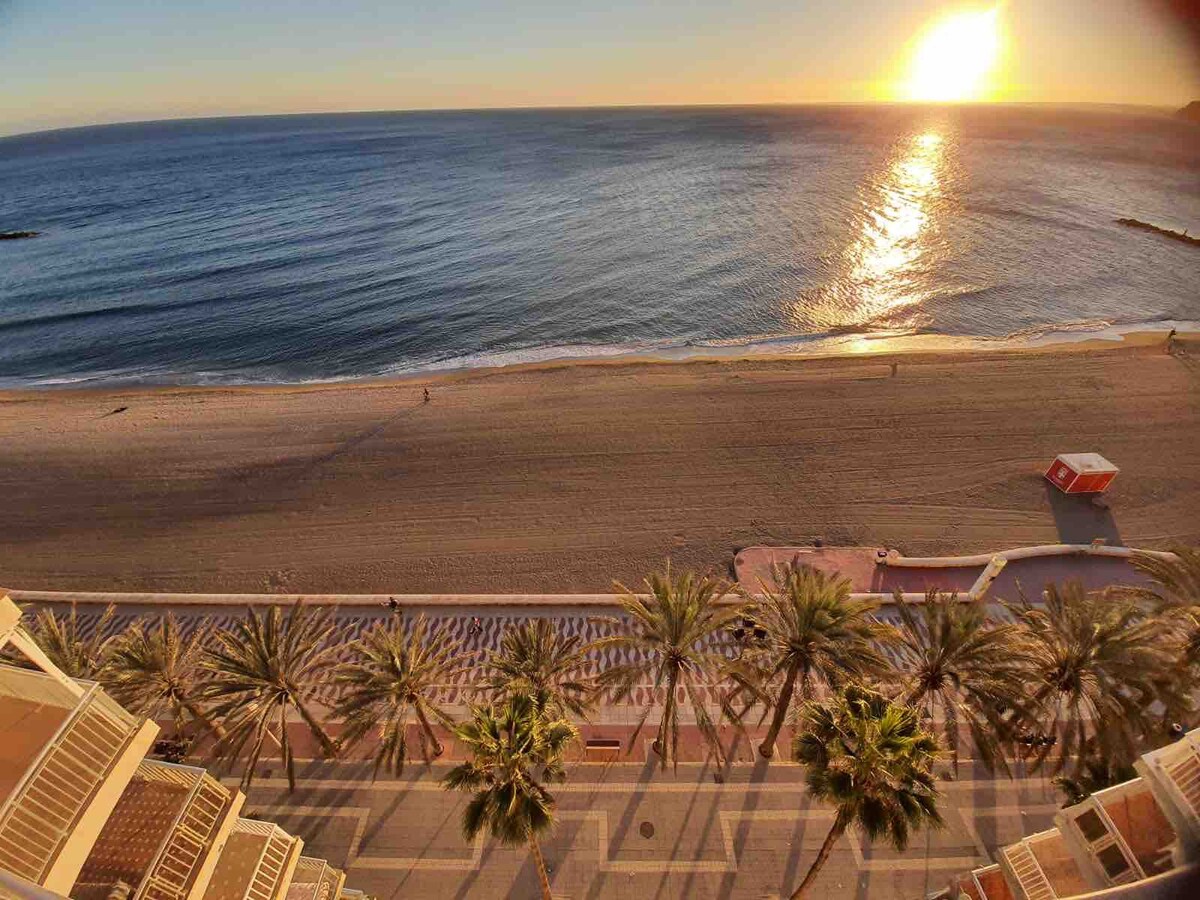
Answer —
(597, 107)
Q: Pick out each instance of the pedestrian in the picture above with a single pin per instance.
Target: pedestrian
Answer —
(393, 604)
(426, 395)
(895, 366)
(476, 625)
(1171, 341)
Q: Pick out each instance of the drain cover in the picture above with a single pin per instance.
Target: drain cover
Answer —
(646, 829)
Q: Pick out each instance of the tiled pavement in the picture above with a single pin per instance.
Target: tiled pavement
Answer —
(626, 830)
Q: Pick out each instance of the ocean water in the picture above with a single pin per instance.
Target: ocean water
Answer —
(295, 248)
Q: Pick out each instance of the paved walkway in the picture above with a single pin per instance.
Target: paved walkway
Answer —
(625, 832)
(753, 567)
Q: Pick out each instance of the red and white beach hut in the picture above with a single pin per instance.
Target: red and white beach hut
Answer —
(1081, 473)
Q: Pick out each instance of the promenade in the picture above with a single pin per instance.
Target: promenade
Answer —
(629, 831)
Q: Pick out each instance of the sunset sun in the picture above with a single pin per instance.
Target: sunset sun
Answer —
(954, 59)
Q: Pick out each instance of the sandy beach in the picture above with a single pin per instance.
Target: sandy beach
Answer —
(563, 478)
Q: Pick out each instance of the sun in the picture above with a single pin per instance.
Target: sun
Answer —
(955, 57)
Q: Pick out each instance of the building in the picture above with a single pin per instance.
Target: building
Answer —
(1139, 839)
(84, 814)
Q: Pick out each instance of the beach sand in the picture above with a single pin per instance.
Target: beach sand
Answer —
(563, 478)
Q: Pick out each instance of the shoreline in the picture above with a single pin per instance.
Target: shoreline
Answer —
(848, 346)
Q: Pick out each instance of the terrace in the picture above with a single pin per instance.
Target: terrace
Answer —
(69, 752)
(258, 863)
(315, 879)
(163, 837)
(1121, 834)
(1043, 867)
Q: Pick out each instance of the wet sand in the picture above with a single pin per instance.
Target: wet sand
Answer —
(562, 478)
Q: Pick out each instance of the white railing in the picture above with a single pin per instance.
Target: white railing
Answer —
(272, 861)
(190, 838)
(1028, 872)
(325, 879)
(39, 815)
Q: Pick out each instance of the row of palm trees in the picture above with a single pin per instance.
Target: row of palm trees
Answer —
(1079, 682)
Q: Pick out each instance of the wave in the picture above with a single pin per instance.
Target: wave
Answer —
(848, 341)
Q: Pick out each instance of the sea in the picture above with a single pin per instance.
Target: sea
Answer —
(304, 248)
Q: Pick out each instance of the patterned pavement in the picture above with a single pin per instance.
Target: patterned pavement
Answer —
(626, 830)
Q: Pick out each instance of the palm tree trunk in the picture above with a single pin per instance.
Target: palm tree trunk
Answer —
(540, 863)
(314, 725)
(203, 718)
(668, 726)
(838, 829)
(438, 749)
(767, 748)
(285, 749)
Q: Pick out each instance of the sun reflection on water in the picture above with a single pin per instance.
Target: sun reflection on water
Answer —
(880, 270)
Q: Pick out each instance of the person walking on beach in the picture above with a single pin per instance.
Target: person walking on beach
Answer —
(426, 395)
(895, 367)
(1171, 341)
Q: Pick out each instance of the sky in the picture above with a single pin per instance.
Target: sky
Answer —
(72, 62)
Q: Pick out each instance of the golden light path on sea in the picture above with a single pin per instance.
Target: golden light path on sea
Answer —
(890, 239)
(880, 270)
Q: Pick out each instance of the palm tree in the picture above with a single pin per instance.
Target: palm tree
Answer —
(676, 643)
(395, 672)
(871, 759)
(1174, 595)
(515, 751)
(536, 659)
(1099, 666)
(970, 671)
(77, 651)
(816, 634)
(1176, 581)
(262, 668)
(154, 670)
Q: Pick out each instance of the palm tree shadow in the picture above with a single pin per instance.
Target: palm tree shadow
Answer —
(616, 837)
(758, 775)
(1079, 520)
(468, 882)
(713, 813)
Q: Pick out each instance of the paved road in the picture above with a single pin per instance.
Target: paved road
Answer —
(627, 831)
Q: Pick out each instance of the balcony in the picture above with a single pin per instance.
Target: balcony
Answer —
(1120, 835)
(315, 879)
(985, 883)
(163, 837)
(69, 751)
(257, 863)
(1173, 773)
(1041, 867)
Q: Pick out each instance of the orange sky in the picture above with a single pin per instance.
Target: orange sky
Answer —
(68, 63)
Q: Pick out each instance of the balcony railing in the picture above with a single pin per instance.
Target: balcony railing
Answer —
(263, 851)
(158, 836)
(39, 814)
(326, 881)
(190, 840)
